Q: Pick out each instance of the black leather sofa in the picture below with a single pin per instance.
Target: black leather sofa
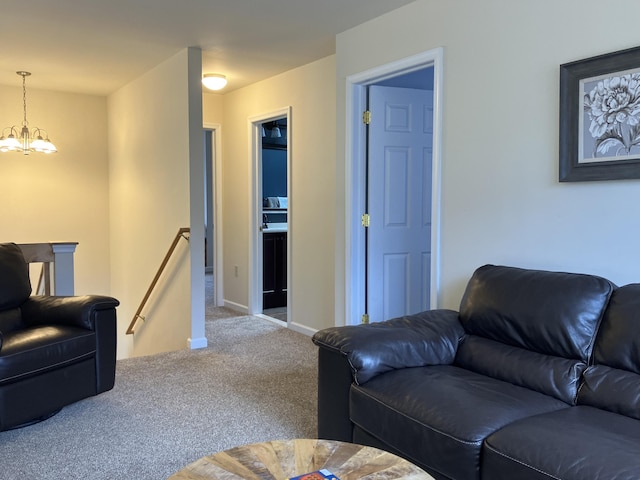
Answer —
(53, 350)
(536, 377)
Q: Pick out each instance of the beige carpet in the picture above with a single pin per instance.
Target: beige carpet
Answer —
(255, 382)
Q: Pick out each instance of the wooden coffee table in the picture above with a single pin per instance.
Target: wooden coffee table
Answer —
(280, 460)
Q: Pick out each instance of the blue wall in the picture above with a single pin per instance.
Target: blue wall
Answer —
(274, 172)
(420, 80)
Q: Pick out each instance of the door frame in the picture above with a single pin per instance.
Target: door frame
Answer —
(216, 181)
(255, 216)
(355, 201)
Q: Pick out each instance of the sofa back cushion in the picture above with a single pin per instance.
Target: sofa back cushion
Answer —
(551, 313)
(613, 382)
(554, 376)
(531, 328)
(15, 286)
(618, 341)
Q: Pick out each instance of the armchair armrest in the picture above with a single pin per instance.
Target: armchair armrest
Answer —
(76, 311)
(427, 338)
(93, 312)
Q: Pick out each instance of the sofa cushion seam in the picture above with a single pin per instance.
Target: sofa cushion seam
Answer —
(520, 462)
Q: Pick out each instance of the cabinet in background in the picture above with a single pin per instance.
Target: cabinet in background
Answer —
(274, 269)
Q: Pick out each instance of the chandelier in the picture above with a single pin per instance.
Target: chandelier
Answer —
(16, 139)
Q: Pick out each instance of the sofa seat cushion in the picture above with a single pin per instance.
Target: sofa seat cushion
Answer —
(572, 444)
(440, 415)
(36, 350)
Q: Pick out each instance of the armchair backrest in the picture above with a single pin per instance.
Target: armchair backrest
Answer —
(15, 286)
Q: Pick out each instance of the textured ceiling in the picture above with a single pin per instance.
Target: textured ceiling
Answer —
(97, 46)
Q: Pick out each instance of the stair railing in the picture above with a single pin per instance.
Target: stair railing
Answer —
(182, 233)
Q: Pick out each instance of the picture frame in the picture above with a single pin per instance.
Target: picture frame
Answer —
(600, 118)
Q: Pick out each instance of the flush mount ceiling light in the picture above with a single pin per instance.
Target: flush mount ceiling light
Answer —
(16, 139)
(214, 81)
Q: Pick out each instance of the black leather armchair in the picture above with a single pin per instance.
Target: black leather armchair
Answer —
(53, 350)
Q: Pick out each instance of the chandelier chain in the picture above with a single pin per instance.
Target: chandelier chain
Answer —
(24, 99)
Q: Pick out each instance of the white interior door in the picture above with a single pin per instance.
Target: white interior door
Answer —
(399, 202)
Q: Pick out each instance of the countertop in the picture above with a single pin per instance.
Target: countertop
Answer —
(273, 227)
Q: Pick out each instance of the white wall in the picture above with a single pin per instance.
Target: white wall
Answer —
(213, 108)
(149, 172)
(310, 91)
(501, 199)
(62, 196)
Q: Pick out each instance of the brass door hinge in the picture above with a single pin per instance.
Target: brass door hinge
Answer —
(365, 319)
(366, 220)
(366, 117)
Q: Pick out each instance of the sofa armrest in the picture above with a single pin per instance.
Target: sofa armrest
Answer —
(358, 353)
(76, 311)
(427, 338)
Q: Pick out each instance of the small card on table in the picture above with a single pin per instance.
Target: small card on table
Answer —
(323, 474)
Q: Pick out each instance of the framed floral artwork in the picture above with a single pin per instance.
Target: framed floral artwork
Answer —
(600, 117)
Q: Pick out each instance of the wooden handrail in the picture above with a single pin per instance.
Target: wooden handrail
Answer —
(181, 234)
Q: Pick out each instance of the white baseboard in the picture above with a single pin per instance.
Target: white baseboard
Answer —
(236, 306)
(297, 327)
(196, 343)
(270, 319)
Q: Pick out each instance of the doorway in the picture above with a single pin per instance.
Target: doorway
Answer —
(275, 207)
(270, 259)
(359, 281)
(214, 295)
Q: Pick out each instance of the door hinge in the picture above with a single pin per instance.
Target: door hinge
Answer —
(366, 117)
(366, 220)
(365, 319)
